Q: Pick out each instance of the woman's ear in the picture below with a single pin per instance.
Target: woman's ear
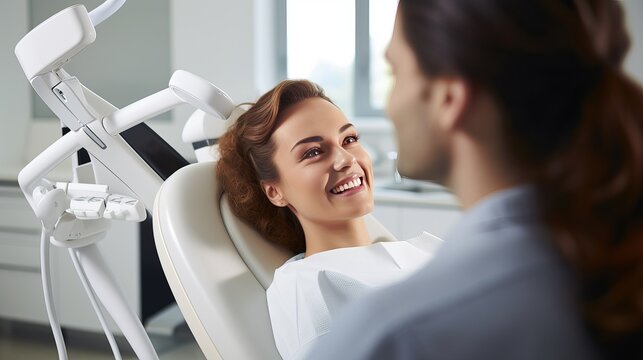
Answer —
(274, 193)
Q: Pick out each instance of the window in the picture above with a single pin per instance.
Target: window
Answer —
(340, 45)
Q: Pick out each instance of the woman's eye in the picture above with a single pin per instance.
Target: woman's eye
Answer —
(351, 139)
(312, 153)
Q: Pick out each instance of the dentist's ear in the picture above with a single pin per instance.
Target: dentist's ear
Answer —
(452, 96)
(274, 194)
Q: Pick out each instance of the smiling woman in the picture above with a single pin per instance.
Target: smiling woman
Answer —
(246, 159)
(293, 168)
(316, 151)
(287, 164)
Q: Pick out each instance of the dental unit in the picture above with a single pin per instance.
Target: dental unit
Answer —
(115, 177)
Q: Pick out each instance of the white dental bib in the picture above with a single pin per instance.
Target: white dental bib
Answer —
(308, 293)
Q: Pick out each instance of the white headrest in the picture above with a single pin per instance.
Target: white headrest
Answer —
(261, 256)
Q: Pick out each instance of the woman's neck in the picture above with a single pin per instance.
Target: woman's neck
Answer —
(328, 236)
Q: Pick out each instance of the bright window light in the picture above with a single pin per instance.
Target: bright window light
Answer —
(381, 19)
(321, 46)
(340, 45)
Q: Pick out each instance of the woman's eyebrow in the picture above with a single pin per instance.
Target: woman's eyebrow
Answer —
(346, 126)
(319, 138)
(308, 140)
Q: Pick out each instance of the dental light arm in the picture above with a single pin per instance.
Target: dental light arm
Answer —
(184, 87)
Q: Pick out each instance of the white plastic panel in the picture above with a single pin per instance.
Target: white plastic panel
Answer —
(49, 45)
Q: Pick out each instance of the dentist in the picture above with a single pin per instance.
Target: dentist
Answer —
(522, 109)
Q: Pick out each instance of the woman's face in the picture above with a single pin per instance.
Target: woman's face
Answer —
(325, 174)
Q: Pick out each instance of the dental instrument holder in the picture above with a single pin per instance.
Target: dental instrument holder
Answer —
(42, 53)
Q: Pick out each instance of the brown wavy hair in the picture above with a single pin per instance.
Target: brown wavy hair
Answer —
(573, 123)
(246, 159)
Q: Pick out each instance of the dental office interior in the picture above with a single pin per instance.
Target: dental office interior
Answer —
(244, 48)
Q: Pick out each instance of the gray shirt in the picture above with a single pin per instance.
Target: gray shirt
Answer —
(496, 290)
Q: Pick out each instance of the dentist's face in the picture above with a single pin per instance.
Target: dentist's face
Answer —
(325, 173)
(422, 150)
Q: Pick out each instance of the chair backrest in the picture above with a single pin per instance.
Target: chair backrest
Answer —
(217, 266)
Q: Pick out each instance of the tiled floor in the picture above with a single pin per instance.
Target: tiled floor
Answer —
(26, 341)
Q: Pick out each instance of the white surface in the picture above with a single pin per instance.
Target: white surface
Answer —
(201, 94)
(140, 110)
(434, 220)
(201, 126)
(205, 271)
(52, 313)
(70, 93)
(52, 43)
(308, 293)
(184, 87)
(437, 198)
(405, 220)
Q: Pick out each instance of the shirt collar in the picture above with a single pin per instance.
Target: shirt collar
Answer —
(517, 201)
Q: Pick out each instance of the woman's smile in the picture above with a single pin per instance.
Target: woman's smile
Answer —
(349, 186)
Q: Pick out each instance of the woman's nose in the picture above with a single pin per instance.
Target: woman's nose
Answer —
(343, 159)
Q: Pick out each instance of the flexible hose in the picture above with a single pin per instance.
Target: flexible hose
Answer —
(46, 287)
(92, 298)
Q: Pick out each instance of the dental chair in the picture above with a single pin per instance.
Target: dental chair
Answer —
(218, 267)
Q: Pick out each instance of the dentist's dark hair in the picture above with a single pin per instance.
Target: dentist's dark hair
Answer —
(246, 158)
(573, 124)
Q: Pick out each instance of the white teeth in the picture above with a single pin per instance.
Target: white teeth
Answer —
(349, 185)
